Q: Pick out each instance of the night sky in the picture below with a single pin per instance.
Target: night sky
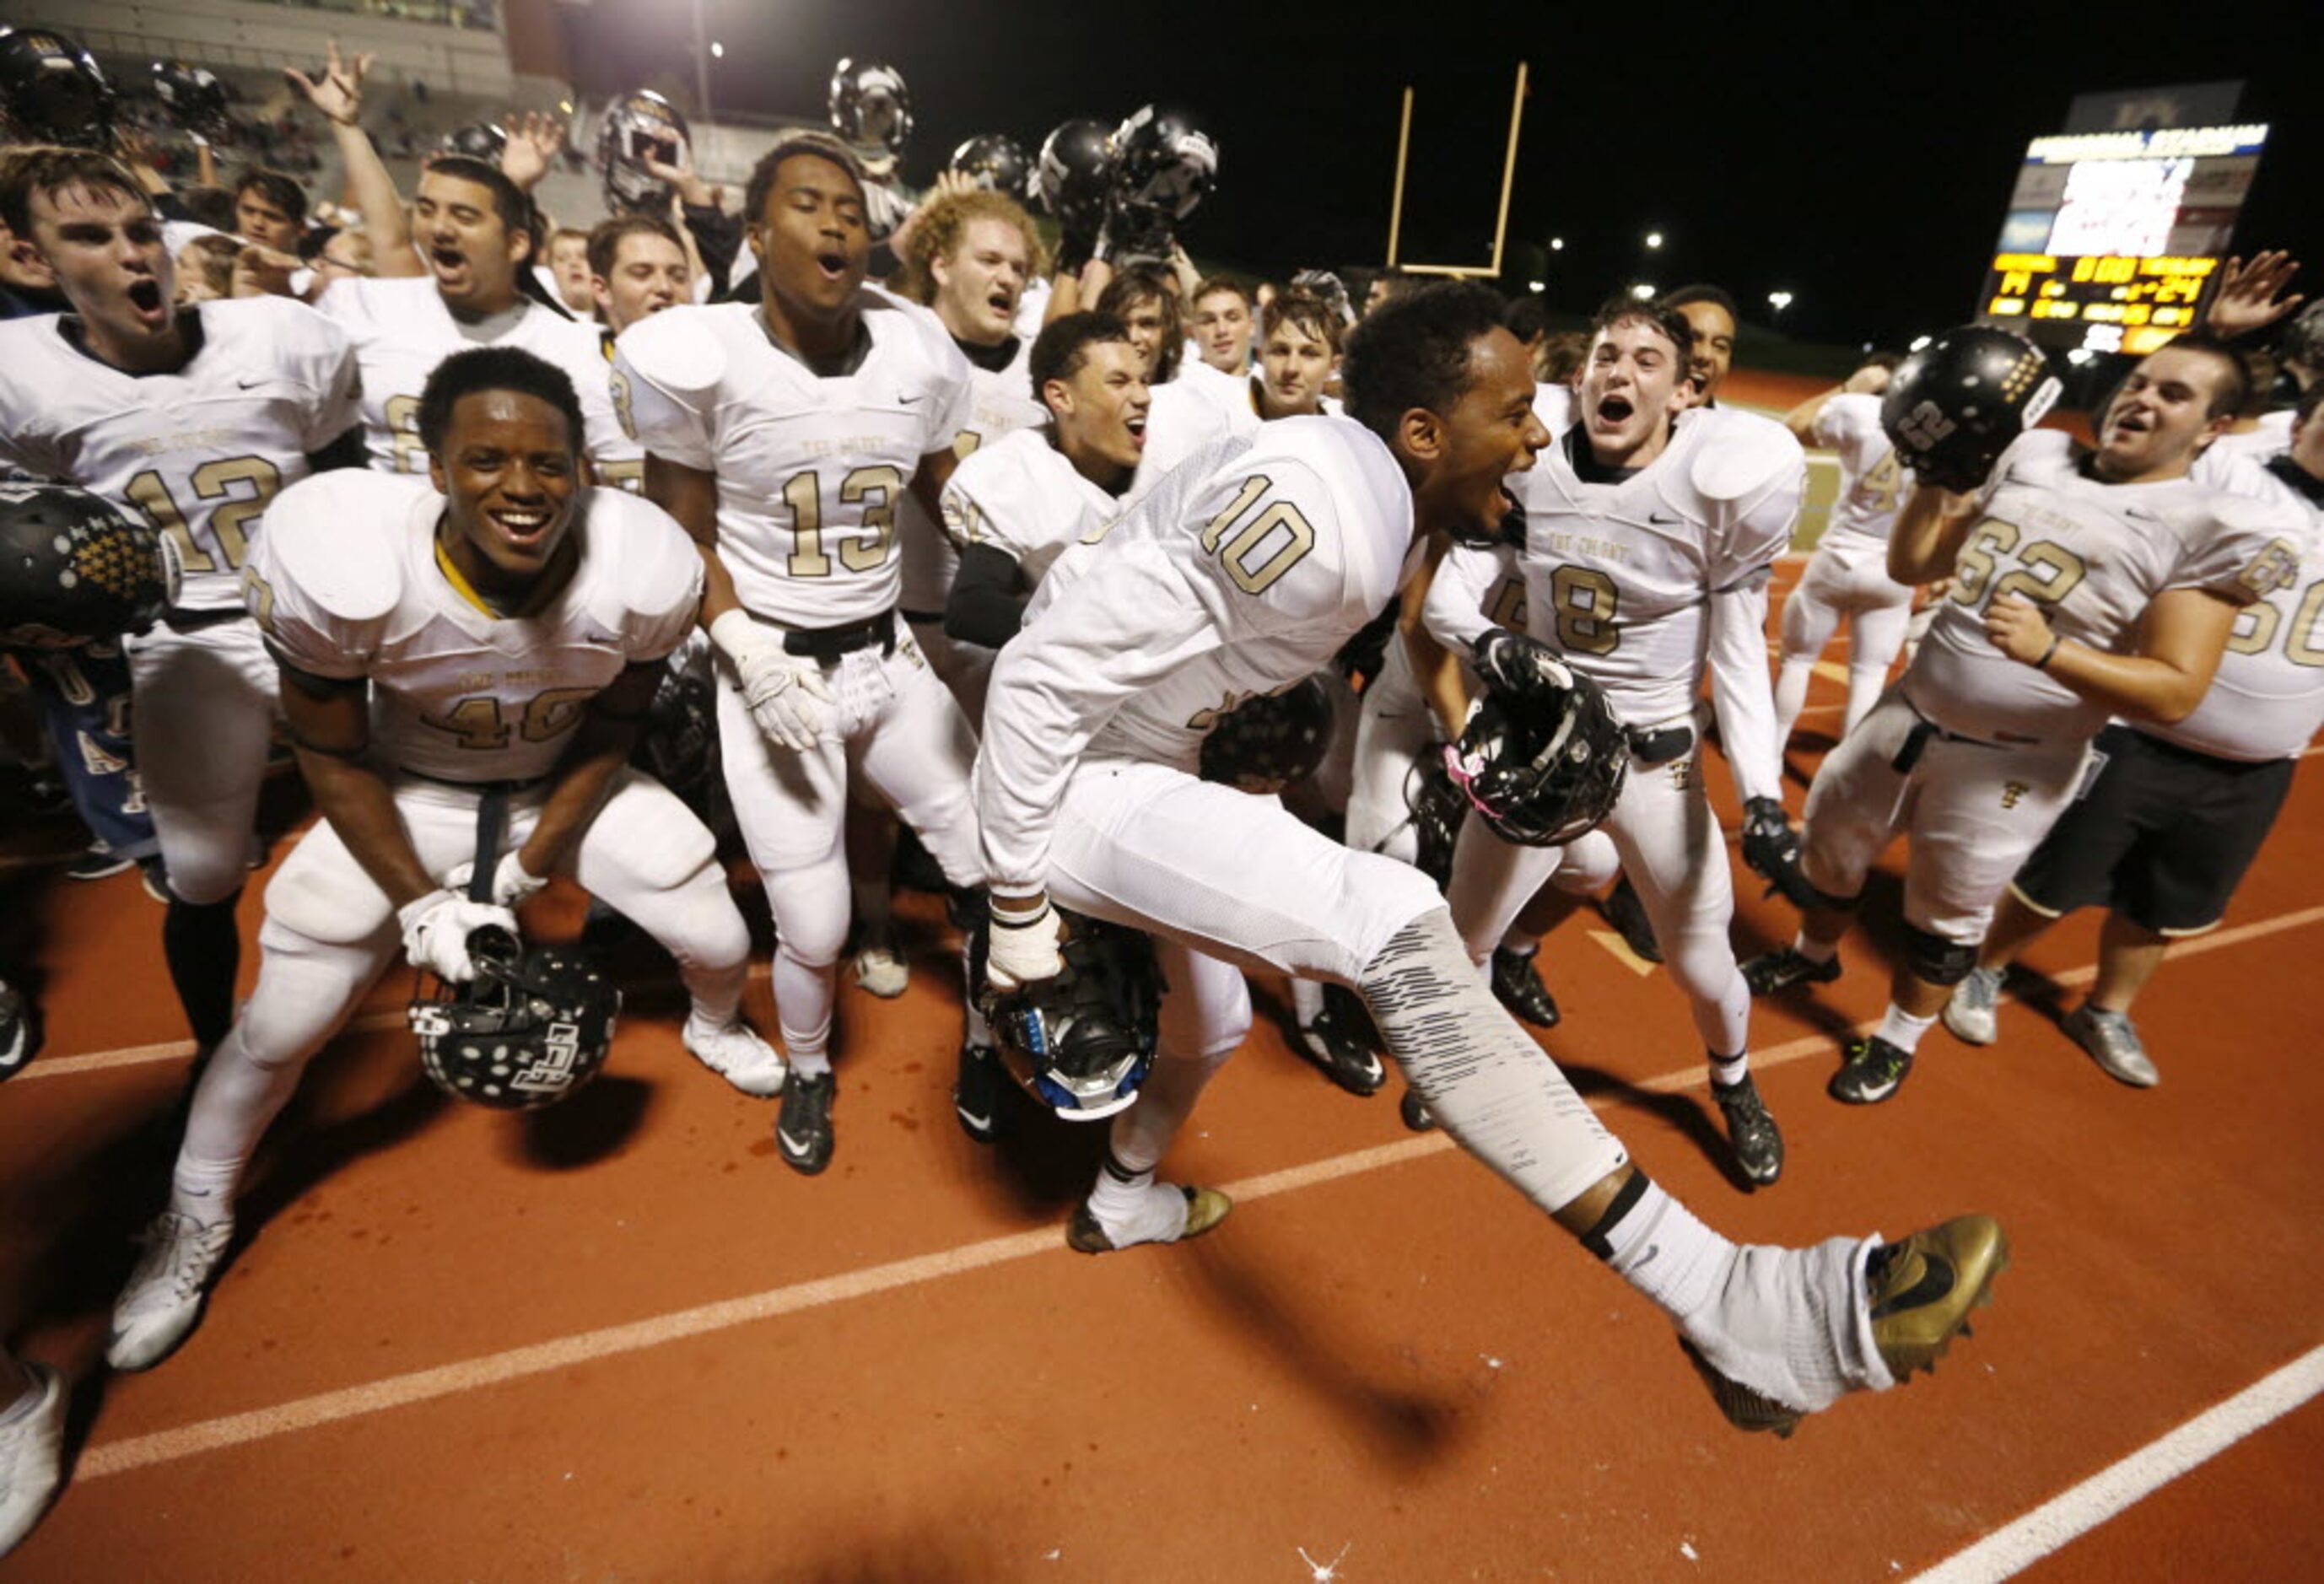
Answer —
(1858, 157)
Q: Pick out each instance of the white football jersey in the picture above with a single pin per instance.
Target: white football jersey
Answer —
(1619, 576)
(2094, 555)
(402, 330)
(1553, 406)
(2267, 700)
(2220, 459)
(1476, 586)
(1228, 395)
(1872, 483)
(348, 583)
(1001, 403)
(201, 451)
(1024, 498)
(812, 472)
(1242, 574)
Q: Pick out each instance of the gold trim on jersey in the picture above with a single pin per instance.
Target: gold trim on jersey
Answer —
(552, 583)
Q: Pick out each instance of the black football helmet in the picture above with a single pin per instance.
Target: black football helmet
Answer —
(678, 743)
(1075, 178)
(1435, 804)
(479, 139)
(192, 95)
(1163, 162)
(1270, 740)
(530, 1029)
(871, 110)
(51, 90)
(1956, 404)
(1542, 763)
(636, 127)
(76, 569)
(1082, 1042)
(996, 163)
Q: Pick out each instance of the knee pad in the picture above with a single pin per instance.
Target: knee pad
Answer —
(811, 909)
(705, 929)
(947, 829)
(1936, 960)
(206, 866)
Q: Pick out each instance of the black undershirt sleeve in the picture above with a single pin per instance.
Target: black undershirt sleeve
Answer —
(987, 605)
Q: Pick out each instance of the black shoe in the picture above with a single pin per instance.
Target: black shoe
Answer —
(803, 1130)
(96, 863)
(1627, 915)
(1517, 986)
(1758, 1143)
(1785, 967)
(1336, 1042)
(20, 1030)
(976, 1092)
(1414, 1111)
(1874, 1070)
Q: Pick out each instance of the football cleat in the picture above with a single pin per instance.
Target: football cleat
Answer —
(1205, 1209)
(1784, 967)
(1873, 1070)
(1751, 1128)
(878, 966)
(1335, 1040)
(1516, 985)
(736, 1054)
(162, 1300)
(2113, 1043)
(32, 1457)
(1415, 1112)
(977, 1091)
(803, 1130)
(20, 1030)
(1973, 1012)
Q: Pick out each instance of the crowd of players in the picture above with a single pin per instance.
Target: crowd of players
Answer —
(1188, 627)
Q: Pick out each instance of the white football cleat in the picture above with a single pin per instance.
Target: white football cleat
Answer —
(736, 1054)
(163, 1298)
(31, 1458)
(878, 966)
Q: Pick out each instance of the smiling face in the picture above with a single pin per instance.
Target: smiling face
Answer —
(2160, 419)
(1222, 327)
(1463, 455)
(1634, 383)
(979, 286)
(510, 472)
(473, 253)
(1714, 344)
(649, 274)
(105, 248)
(1147, 323)
(1100, 408)
(813, 242)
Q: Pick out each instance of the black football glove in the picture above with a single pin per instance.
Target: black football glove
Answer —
(1510, 662)
(1771, 848)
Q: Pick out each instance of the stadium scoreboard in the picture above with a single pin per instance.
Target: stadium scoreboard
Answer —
(2113, 237)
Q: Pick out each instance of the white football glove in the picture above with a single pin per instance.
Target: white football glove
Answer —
(1021, 949)
(787, 697)
(437, 927)
(512, 885)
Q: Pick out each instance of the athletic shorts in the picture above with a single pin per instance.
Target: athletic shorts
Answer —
(2162, 836)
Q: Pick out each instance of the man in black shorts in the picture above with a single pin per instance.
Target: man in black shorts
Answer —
(2175, 816)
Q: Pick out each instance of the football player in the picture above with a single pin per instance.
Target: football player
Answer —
(2085, 585)
(195, 417)
(1648, 540)
(478, 643)
(2177, 813)
(1848, 575)
(473, 225)
(569, 268)
(1221, 325)
(1710, 312)
(270, 209)
(783, 434)
(1245, 571)
(637, 265)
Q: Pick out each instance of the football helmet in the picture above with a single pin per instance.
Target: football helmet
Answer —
(1270, 740)
(1163, 162)
(1543, 761)
(76, 569)
(1082, 1042)
(1435, 804)
(530, 1029)
(1075, 177)
(996, 163)
(636, 127)
(479, 139)
(872, 109)
(1956, 404)
(51, 90)
(192, 95)
(678, 743)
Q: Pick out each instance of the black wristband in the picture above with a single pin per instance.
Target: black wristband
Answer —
(2049, 654)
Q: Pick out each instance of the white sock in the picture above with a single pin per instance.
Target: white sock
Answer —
(1658, 1245)
(1307, 1000)
(1133, 1208)
(1816, 951)
(1902, 1029)
(1727, 1072)
(1524, 942)
(974, 1030)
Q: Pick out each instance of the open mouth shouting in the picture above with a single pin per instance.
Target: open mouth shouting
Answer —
(146, 301)
(1614, 411)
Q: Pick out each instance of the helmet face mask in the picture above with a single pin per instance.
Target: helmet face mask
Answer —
(1080, 1044)
(1541, 769)
(995, 162)
(1163, 162)
(871, 110)
(52, 92)
(192, 95)
(531, 1028)
(638, 128)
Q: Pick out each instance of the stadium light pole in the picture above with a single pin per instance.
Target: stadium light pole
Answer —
(701, 59)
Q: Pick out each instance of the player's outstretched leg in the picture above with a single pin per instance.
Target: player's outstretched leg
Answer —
(1779, 1333)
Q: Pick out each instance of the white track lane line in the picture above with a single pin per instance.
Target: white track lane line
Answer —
(2074, 1513)
(399, 1391)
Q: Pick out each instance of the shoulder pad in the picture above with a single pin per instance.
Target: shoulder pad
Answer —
(338, 537)
(1739, 453)
(679, 349)
(656, 570)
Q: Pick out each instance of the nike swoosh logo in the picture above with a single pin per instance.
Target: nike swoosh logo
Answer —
(908, 401)
(971, 1119)
(1663, 520)
(1646, 1258)
(1936, 1281)
(607, 639)
(249, 384)
(793, 1145)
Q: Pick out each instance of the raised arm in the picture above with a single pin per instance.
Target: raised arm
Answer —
(340, 97)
